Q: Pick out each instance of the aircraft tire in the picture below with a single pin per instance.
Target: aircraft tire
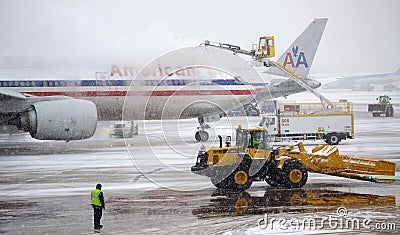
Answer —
(201, 136)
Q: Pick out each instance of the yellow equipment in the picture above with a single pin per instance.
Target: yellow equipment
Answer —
(253, 159)
(382, 107)
(262, 52)
(265, 47)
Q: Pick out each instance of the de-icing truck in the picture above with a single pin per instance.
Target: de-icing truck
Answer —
(291, 120)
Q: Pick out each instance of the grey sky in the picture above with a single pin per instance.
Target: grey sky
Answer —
(362, 36)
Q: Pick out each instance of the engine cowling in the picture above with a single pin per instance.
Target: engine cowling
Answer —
(314, 84)
(69, 119)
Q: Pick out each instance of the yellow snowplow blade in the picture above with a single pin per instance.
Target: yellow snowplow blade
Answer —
(368, 166)
(325, 159)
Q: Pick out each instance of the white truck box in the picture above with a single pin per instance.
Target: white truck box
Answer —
(310, 121)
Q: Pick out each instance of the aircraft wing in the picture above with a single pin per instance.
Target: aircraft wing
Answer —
(49, 117)
(7, 94)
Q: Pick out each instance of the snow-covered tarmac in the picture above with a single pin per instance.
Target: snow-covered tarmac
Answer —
(45, 185)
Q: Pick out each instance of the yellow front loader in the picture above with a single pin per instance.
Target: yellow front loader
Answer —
(254, 159)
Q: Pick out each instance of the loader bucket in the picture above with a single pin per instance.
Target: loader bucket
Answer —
(327, 160)
(368, 166)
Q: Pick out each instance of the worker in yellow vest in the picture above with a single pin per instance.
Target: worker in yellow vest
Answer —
(98, 205)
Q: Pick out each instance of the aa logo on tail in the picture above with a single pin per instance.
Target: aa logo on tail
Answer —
(295, 55)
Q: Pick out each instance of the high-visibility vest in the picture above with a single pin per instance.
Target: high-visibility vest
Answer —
(95, 197)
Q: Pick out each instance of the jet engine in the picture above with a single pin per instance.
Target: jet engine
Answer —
(69, 119)
(314, 84)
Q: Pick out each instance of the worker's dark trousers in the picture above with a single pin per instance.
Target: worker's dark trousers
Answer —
(98, 212)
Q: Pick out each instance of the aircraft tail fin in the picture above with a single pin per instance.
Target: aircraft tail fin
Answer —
(300, 55)
(397, 73)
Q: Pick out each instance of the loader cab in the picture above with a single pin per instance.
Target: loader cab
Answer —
(254, 138)
(384, 99)
(265, 47)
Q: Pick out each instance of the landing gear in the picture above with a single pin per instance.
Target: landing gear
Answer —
(201, 134)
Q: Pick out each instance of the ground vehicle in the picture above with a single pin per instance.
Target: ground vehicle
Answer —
(253, 159)
(382, 107)
(293, 120)
(124, 129)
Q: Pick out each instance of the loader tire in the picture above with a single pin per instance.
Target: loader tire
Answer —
(240, 178)
(294, 174)
(224, 184)
(272, 176)
(135, 130)
(272, 181)
(389, 112)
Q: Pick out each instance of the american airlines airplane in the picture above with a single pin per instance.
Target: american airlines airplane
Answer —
(367, 82)
(186, 83)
